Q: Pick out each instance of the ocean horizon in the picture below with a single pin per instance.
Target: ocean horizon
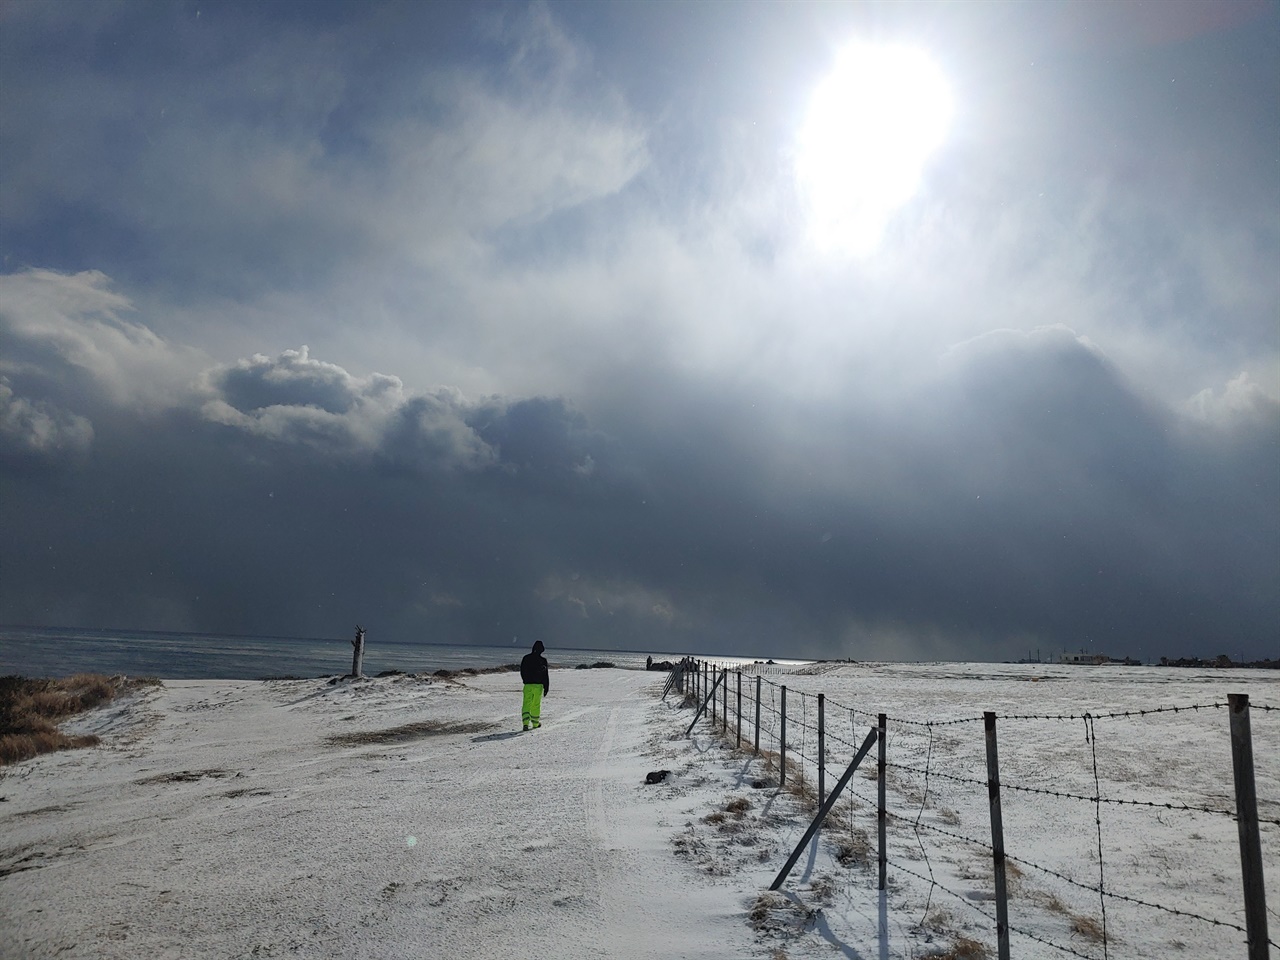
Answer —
(61, 651)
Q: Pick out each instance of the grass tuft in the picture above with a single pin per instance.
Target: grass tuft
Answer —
(32, 708)
(962, 948)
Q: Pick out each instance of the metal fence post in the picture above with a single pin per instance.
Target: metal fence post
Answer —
(724, 692)
(880, 811)
(713, 697)
(739, 740)
(701, 710)
(997, 837)
(822, 750)
(782, 741)
(1255, 896)
(823, 811)
(758, 713)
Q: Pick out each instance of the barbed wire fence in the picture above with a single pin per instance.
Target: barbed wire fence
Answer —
(935, 797)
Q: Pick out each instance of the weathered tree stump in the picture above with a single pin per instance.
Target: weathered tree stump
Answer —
(357, 660)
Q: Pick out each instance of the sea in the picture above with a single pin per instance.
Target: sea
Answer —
(62, 651)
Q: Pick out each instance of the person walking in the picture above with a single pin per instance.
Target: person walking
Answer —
(537, 683)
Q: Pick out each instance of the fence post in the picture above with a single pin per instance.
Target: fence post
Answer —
(782, 741)
(880, 811)
(738, 744)
(701, 709)
(825, 809)
(1255, 895)
(711, 689)
(758, 713)
(822, 750)
(724, 692)
(997, 837)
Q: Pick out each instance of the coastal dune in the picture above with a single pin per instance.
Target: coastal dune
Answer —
(405, 816)
(392, 817)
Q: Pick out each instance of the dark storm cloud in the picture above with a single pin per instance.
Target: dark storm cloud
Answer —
(572, 368)
(1023, 495)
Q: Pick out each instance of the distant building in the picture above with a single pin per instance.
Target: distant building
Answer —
(1094, 659)
(1089, 658)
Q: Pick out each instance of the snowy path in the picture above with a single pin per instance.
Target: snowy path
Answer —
(230, 823)
(403, 817)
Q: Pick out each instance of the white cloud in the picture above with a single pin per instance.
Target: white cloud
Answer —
(295, 398)
(1241, 400)
(59, 320)
(39, 427)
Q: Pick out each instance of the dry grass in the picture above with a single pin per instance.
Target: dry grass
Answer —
(31, 709)
(408, 733)
(474, 671)
(1086, 927)
(962, 948)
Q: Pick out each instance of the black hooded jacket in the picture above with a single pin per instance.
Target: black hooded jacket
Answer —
(533, 668)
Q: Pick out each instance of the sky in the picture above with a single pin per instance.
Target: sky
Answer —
(880, 331)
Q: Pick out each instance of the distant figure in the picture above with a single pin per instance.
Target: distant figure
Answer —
(648, 663)
(537, 683)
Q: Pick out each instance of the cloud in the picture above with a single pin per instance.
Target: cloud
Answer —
(75, 327)
(38, 430)
(297, 399)
(1240, 400)
(1025, 493)
(561, 323)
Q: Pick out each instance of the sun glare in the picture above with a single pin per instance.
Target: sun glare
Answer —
(871, 126)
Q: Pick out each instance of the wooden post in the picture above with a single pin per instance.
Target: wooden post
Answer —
(739, 743)
(1255, 895)
(826, 809)
(782, 741)
(357, 659)
(757, 713)
(822, 750)
(882, 722)
(997, 837)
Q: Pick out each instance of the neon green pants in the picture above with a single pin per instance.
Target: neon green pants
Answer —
(531, 713)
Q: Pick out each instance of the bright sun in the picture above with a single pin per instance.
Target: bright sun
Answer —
(871, 126)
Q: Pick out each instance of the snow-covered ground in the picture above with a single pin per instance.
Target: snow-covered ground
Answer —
(402, 817)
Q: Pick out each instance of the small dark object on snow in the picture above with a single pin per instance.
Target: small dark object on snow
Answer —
(656, 776)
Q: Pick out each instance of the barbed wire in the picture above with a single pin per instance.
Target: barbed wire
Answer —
(1125, 897)
(1040, 791)
(801, 758)
(1049, 871)
(1062, 795)
(1113, 715)
(924, 799)
(1092, 738)
(918, 823)
(978, 910)
(933, 723)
